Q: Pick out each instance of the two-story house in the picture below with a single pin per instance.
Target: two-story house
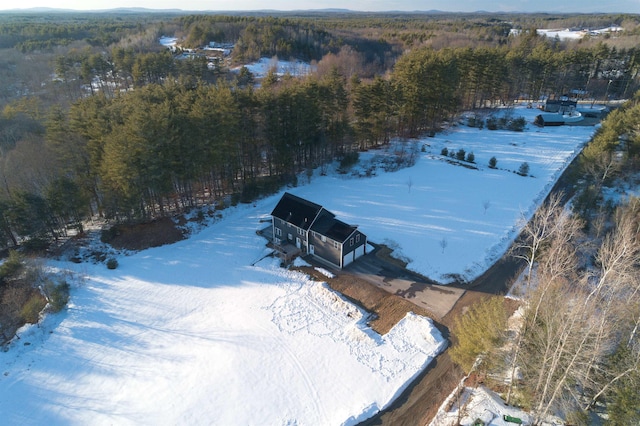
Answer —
(314, 230)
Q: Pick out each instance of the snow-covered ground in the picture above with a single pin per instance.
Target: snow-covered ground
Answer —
(478, 403)
(192, 333)
(573, 34)
(261, 67)
(167, 41)
(474, 213)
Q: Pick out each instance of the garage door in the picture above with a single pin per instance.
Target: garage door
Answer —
(348, 258)
(360, 251)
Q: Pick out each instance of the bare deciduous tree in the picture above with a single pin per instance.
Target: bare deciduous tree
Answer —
(576, 316)
(443, 244)
(486, 204)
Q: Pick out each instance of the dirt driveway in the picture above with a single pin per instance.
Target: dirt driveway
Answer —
(379, 271)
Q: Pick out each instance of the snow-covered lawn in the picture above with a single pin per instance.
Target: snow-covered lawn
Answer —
(191, 333)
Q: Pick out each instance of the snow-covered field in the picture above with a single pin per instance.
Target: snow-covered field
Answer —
(574, 34)
(262, 67)
(192, 333)
(474, 213)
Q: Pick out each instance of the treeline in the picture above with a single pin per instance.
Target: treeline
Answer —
(259, 37)
(148, 134)
(576, 349)
(613, 153)
(573, 351)
(30, 33)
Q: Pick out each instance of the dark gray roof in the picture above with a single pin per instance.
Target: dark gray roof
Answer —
(296, 210)
(326, 224)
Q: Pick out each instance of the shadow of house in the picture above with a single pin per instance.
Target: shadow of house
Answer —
(301, 227)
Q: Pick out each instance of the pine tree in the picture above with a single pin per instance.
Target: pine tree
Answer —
(479, 332)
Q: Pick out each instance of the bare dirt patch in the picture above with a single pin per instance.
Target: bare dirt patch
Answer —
(140, 236)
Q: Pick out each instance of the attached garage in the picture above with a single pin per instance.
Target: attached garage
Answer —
(353, 255)
(347, 259)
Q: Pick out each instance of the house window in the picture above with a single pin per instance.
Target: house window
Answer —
(335, 244)
(300, 231)
(358, 238)
(324, 239)
(277, 241)
(279, 232)
(351, 241)
(290, 237)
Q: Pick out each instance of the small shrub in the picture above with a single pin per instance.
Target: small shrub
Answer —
(460, 154)
(30, 312)
(492, 162)
(107, 235)
(36, 244)
(577, 417)
(492, 123)
(517, 124)
(444, 151)
(112, 263)
(11, 266)
(58, 294)
(471, 158)
(524, 169)
(348, 160)
(471, 121)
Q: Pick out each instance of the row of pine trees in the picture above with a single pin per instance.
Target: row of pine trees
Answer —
(148, 147)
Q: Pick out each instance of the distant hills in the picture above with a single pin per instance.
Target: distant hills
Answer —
(183, 11)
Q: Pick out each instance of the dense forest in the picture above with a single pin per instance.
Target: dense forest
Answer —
(98, 119)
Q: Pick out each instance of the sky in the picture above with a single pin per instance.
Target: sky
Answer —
(583, 6)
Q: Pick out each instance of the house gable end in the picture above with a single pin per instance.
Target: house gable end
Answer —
(296, 211)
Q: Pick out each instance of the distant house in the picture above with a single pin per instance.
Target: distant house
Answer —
(303, 227)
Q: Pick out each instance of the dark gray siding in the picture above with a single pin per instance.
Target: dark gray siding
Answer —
(356, 240)
(325, 249)
(288, 233)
